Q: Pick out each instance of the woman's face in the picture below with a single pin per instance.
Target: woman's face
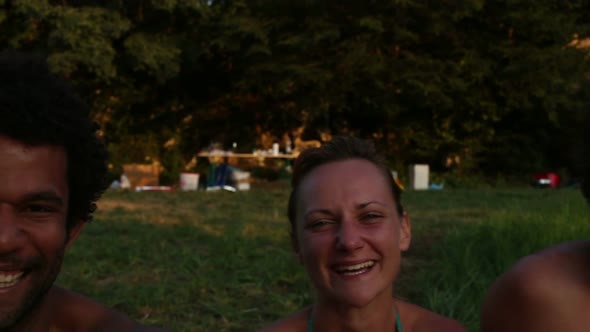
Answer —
(349, 232)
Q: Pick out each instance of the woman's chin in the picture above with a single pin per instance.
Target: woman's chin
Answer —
(354, 299)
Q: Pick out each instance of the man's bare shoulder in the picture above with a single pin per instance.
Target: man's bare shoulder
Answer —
(419, 319)
(546, 275)
(297, 322)
(541, 291)
(76, 312)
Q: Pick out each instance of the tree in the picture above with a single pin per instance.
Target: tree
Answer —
(491, 84)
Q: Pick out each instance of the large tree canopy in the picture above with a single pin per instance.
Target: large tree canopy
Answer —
(492, 84)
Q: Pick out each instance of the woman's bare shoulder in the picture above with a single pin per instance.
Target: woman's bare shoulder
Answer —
(418, 319)
(297, 322)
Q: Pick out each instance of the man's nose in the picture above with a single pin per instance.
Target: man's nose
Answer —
(11, 235)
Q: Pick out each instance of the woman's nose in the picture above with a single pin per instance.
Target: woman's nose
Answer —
(348, 236)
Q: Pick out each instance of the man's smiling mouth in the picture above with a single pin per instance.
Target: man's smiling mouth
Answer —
(9, 279)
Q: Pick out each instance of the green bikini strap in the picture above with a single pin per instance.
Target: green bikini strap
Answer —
(398, 323)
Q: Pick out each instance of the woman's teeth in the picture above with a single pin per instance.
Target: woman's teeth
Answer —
(355, 269)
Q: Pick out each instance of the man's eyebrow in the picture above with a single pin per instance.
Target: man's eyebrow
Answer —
(46, 196)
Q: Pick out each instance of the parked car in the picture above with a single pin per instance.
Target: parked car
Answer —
(546, 180)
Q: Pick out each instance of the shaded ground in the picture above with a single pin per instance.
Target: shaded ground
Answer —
(220, 261)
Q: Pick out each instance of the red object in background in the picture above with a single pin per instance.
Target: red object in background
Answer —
(547, 179)
(554, 177)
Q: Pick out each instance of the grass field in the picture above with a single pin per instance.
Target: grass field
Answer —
(219, 261)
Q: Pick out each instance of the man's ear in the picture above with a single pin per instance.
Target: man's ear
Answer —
(405, 232)
(73, 233)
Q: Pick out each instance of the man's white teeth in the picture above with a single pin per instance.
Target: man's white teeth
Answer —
(8, 280)
(355, 269)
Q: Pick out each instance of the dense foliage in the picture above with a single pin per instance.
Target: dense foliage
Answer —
(496, 86)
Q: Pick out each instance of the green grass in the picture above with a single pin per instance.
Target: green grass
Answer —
(222, 261)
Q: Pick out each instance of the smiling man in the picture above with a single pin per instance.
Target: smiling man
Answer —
(52, 171)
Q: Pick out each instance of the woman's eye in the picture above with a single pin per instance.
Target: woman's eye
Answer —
(371, 216)
(36, 208)
(319, 224)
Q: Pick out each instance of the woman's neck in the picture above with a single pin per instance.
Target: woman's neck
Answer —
(332, 316)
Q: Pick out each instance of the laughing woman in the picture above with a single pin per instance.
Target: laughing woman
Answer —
(348, 230)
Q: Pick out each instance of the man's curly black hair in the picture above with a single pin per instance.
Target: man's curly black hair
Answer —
(36, 108)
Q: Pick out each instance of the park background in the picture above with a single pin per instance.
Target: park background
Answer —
(498, 88)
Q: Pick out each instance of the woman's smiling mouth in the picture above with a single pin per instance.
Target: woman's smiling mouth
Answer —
(352, 270)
